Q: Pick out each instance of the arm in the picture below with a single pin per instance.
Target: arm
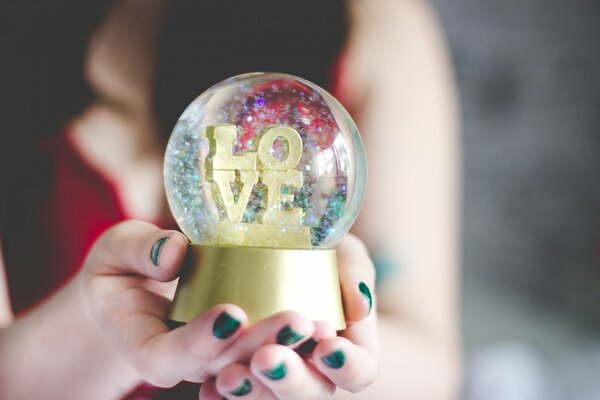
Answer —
(400, 87)
(57, 352)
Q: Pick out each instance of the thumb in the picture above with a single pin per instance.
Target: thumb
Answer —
(140, 248)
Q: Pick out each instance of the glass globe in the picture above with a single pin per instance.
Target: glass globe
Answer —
(265, 160)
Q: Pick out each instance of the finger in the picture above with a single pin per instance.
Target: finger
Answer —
(135, 247)
(285, 373)
(322, 331)
(208, 391)
(165, 357)
(286, 328)
(357, 278)
(347, 365)
(236, 380)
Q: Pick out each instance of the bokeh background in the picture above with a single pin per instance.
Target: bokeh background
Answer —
(528, 73)
(529, 79)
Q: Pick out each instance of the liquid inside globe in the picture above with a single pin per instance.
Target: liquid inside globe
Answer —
(265, 160)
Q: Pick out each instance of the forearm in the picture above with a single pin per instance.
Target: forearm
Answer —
(58, 352)
(406, 106)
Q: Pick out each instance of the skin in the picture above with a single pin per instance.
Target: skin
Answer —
(404, 106)
(399, 87)
(402, 93)
(113, 313)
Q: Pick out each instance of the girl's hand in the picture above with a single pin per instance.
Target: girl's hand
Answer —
(127, 285)
(315, 367)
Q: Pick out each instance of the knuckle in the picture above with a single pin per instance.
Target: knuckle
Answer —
(204, 354)
(355, 243)
(115, 234)
(107, 242)
(369, 269)
(139, 248)
(111, 235)
(153, 374)
(354, 252)
(358, 381)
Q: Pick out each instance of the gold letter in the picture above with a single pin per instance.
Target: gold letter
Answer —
(234, 210)
(266, 144)
(221, 140)
(273, 214)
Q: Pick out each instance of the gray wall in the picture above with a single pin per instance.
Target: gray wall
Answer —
(529, 76)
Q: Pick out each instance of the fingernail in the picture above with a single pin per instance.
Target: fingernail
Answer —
(308, 347)
(155, 252)
(276, 373)
(364, 289)
(243, 389)
(225, 325)
(287, 336)
(335, 360)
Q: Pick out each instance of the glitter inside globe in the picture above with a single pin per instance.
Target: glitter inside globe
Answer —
(265, 160)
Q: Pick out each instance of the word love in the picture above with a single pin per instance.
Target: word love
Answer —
(273, 173)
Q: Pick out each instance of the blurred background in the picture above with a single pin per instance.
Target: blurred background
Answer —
(528, 74)
(529, 81)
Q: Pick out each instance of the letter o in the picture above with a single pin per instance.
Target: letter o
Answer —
(266, 144)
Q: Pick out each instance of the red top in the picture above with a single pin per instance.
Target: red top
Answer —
(76, 207)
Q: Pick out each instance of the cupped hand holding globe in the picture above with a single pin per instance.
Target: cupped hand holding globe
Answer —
(126, 283)
(263, 190)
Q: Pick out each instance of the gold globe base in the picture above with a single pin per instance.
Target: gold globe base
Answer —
(262, 281)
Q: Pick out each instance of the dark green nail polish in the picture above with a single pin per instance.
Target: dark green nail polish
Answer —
(276, 373)
(243, 389)
(225, 325)
(335, 360)
(308, 346)
(156, 250)
(364, 289)
(287, 336)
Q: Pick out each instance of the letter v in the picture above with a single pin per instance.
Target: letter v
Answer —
(224, 179)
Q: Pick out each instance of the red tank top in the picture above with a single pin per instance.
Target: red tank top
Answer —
(74, 209)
